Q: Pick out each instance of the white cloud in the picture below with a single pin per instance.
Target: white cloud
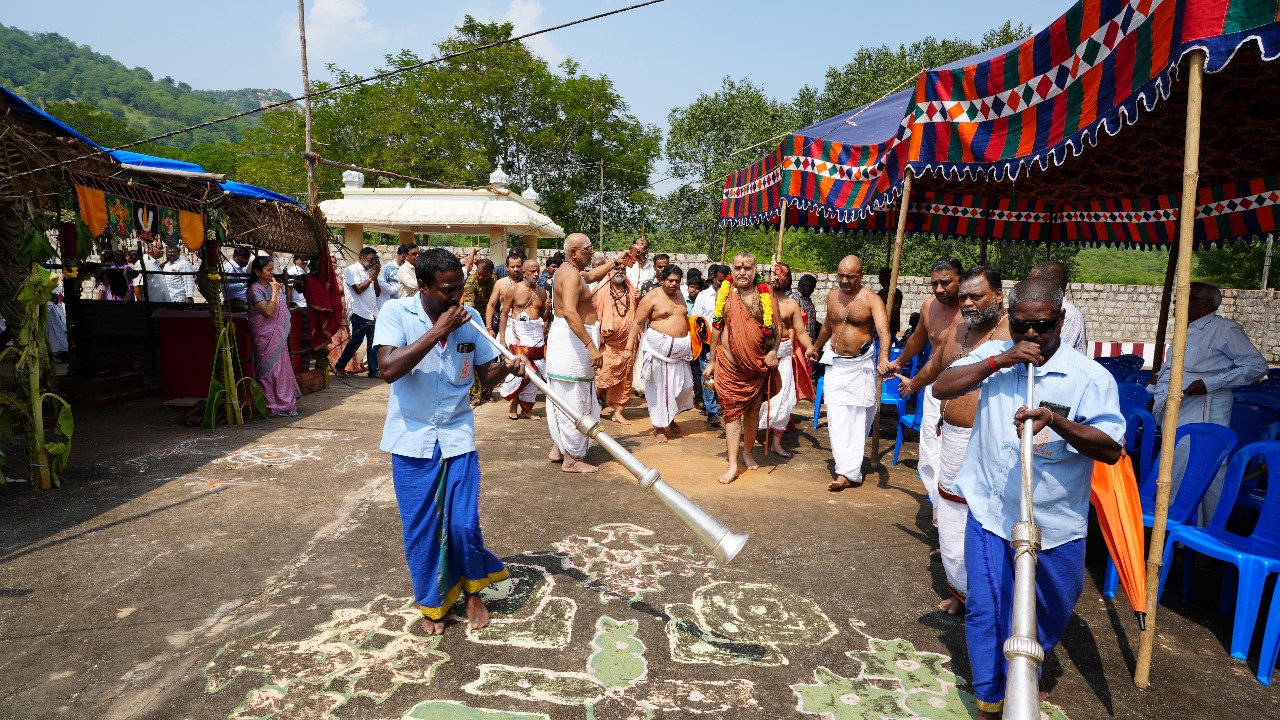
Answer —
(526, 16)
(340, 31)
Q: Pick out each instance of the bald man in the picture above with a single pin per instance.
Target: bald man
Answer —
(573, 351)
(856, 318)
(745, 361)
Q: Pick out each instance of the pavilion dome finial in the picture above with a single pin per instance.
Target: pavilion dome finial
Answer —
(531, 194)
(498, 178)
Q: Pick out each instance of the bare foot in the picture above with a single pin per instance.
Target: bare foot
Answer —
(433, 627)
(841, 483)
(513, 411)
(713, 421)
(477, 613)
(776, 448)
(555, 456)
(619, 418)
(749, 461)
(983, 715)
(660, 436)
(728, 477)
(951, 606)
(673, 428)
(577, 466)
(935, 554)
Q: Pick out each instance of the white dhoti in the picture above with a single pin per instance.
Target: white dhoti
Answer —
(571, 377)
(781, 405)
(952, 511)
(1214, 407)
(927, 465)
(668, 382)
(849, 390)
(525, 337)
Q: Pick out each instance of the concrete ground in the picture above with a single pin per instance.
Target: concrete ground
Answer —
(257, 571)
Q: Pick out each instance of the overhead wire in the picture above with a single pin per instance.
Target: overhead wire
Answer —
(338, 87)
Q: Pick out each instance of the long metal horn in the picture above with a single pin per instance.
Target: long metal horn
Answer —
(723, 543)
(1023, 649)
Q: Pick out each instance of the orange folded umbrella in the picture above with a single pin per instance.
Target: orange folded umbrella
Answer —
(1115, 498)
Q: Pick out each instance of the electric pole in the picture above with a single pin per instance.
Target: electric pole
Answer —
(306, 106)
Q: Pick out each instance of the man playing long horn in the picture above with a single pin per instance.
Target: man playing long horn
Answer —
(981, 305)
(855, 320)
(745, 362)
(573, 351)
(1076, 422)
(522, 329)
(665, 351)
(615, 302)
(794, 345)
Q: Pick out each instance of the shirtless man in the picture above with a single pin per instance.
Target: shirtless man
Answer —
(744, 363)
(523, 331)
(792, 369)
(855, 319)
(981, 306)
(573, 350)
(503, 287)
(939, 316)
(666, 350)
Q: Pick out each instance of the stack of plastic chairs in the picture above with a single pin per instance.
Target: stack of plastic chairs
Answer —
(910, 409)
(1210, 445)
(1252, 421)
(1255, 556)
(1140, 439)
(1132, 395)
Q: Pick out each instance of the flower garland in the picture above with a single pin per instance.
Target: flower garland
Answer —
(766, 305)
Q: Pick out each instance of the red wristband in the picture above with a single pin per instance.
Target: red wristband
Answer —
(991, 363)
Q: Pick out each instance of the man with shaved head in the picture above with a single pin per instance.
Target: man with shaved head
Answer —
(1073, 332)
(856, 319)
(573, 350)
(744, 365)
(522, 330)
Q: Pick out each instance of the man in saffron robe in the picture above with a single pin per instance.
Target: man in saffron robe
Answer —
(429, 353)
(744, 366)
(615, 301)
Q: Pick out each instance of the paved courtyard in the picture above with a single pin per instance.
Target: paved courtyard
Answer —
(257, 571)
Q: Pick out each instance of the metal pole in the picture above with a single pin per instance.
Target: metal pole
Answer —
(1023, 649)
(723, 543)
(306, 105)
(1186, 235)
(602, 204)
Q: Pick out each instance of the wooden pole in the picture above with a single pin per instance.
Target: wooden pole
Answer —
(306, 106)
(724, 243)
(1186, 235)
(1166, 298)
(601, 205)
(982, 253)
(888, 303)
(782, 229)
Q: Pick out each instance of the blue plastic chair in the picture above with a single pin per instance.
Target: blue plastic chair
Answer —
(1273, 374)
(1210, 445)
(910, 409)
(817, 401)
(1258, 396)
(1253, 491)
(894, 352)
(1132, 395)
(1249, 420)
(1255, 556)
(1140, 439)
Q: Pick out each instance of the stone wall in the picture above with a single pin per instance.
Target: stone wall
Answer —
(1119, 313)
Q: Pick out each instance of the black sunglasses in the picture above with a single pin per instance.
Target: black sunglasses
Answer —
(1041, 326)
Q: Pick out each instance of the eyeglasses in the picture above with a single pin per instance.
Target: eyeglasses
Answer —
(1042, 326)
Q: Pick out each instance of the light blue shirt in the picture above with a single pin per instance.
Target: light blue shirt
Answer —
(390, 279)
(990, 477)
(433, 402)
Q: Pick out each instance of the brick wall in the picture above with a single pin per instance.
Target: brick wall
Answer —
(1122, 313)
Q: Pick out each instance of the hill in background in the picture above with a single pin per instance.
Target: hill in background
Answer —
(123, 103)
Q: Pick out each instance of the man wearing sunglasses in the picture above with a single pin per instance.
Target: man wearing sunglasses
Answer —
(1219, 357)
(1076, 421)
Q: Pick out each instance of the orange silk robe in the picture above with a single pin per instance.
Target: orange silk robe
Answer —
(745, 379)
(615, 375)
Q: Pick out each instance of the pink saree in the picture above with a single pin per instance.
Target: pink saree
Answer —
(272, 365)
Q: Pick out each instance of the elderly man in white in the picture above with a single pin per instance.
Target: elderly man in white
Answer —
(1219, 357)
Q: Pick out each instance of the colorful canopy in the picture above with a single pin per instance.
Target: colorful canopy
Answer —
(1015, 144)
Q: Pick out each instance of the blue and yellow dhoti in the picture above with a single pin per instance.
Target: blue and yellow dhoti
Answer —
(440, 514)
(989, 608)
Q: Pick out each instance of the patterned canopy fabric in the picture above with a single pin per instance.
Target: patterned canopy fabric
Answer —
(1016, 144)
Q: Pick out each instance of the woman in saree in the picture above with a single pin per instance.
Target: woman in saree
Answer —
(269, 325)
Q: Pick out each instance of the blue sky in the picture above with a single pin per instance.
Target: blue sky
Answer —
(659, 57)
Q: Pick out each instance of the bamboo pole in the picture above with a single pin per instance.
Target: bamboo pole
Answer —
(888, 303)
(1166, 297)
(306, 107)
(782, 229)
(1186, 235)
(982, 252)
